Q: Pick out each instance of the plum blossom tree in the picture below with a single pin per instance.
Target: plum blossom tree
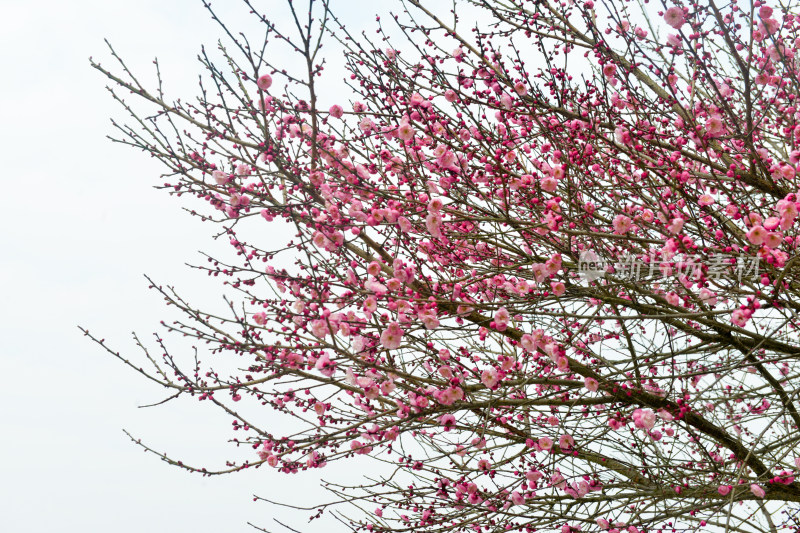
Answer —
(431, 307)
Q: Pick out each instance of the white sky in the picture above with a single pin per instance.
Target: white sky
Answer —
(81, 224)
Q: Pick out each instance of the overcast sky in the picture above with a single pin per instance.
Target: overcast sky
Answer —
(81, 224)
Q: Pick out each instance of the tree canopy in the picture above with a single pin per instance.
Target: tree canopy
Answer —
(540, 267)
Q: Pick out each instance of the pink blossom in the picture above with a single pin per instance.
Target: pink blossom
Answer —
(738, 318)
(447, 160)
(264, 82)
(757, 234)
(621, 224)
(237, 200)
(558, 481)
(771, 223)
(673, 40)
(449, 396)
(370, 304)
(366, 125)
(490, 378)
(591, 384)
(757, 491)
(405, 131)
(447, 421)
(429, 318)
(676, 225)
(565, 442)
(714, 126)
(358, 447)
(644, 418)
(707, 296)
(433, 223)
(786, 222)
(417, 99)
(545, 443)
(705, 199)
(533, 476)
(220, 177)
(770, 26)
(528, 342)
(319, 328)
(374, 286)
(404, 224)
(672, 298)
(374, 268)
(558, 287)
(325, 366)
(501, 319)
(336, 111)
(675, 17)
(773, 240)
(549, 184)
(724, 490)
(392, 336)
